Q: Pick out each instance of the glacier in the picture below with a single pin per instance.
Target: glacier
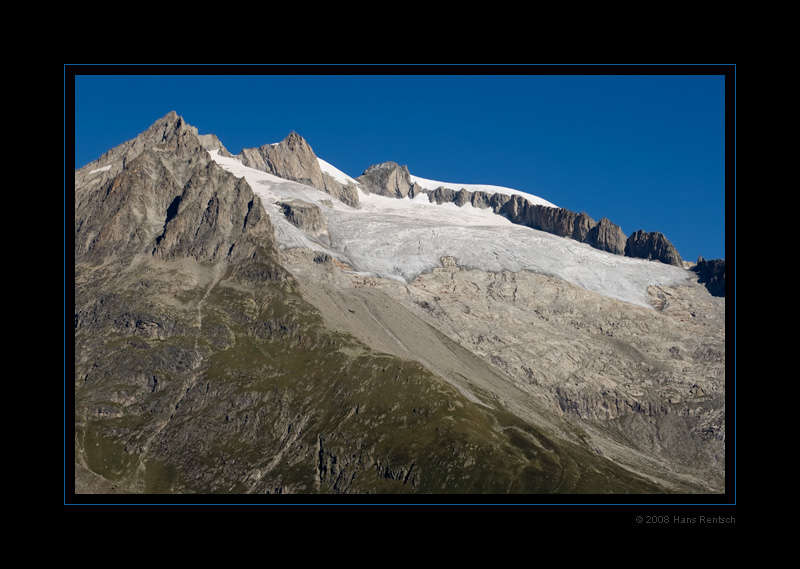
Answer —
(402, 238)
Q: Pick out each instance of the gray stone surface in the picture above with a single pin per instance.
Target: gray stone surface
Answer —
(607, 236)
(304, 215)
(294, 159)
(652, 246)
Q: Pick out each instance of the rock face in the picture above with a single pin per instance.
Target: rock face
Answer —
(215, 217)
(293, 159)
(557, 221)
(304, 215)
(388, 179)
(211, 142)
(607, 236)
(652, 246)
(712, 274)
(560, 221)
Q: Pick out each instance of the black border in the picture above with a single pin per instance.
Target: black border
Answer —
(625, 509)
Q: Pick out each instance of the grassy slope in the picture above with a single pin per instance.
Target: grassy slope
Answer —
(216, 382)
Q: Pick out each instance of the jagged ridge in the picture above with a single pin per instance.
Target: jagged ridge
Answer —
(391, 179)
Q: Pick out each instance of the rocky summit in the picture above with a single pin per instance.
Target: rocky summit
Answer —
(264, 324)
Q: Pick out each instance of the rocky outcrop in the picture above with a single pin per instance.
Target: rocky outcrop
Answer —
(607, 236)
(517, 209)
(441, 195)
(599, 404)
(304, 215)
(389, 179)
(555, 220)
(294, 159)
(211, 142)
(487, 200)
(345, 193)
(291, 159)
(653, 247)
(566, 221)
(604, 235)
(712, 275)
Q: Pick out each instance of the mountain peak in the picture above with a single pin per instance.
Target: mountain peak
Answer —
(388, 165)
(295, 142)
(291, 159)
(169, 123)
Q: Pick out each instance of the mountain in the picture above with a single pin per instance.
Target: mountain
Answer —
(263, 323)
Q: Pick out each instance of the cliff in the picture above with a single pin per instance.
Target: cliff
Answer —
(392, 180)
(294, 159)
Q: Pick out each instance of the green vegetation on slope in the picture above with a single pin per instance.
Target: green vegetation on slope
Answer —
(239, 387)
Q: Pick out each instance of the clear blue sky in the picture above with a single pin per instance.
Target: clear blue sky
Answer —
(646, 151)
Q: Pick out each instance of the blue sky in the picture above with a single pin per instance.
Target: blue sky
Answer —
(647, 151)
